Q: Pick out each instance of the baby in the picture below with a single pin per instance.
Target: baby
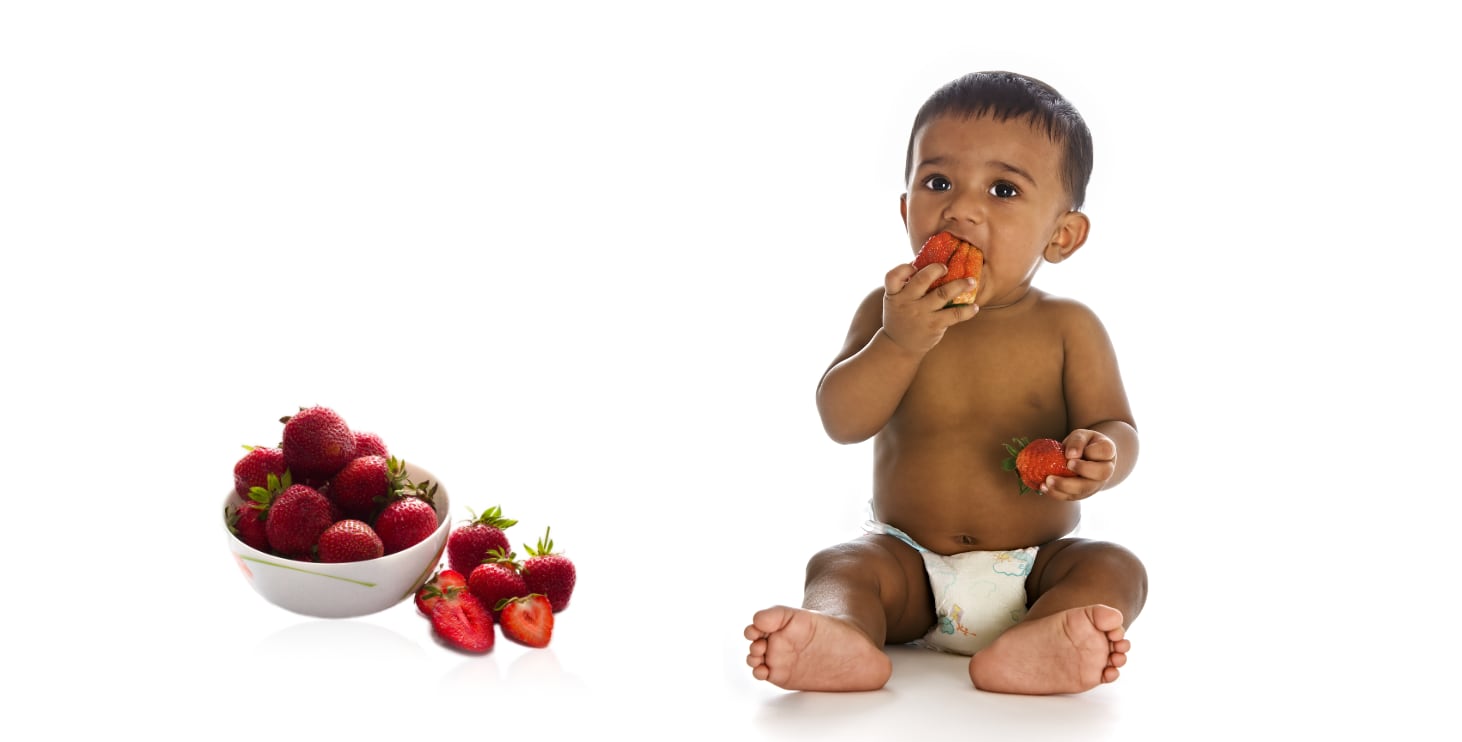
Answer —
(956, 557)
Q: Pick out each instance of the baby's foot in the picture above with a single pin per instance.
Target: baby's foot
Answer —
(1069, 652)
(799, 649)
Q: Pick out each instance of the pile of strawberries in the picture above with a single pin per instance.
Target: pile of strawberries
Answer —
(330, 494)
(484, 585)
(327, 493)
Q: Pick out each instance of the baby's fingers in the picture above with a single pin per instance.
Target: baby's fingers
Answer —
(897, 279)
(1070, 488)
(1100, 471)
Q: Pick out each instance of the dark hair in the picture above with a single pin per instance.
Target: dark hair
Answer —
(1007, 95)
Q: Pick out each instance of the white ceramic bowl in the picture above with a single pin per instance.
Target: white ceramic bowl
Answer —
(344, 589)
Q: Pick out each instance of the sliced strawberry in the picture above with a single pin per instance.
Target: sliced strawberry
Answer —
(527, 620)
(446, 583)
(463, 622)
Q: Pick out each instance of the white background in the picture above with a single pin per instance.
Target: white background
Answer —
(588, 262)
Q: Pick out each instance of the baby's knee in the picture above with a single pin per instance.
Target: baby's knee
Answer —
(853, 558)
(1115, 559)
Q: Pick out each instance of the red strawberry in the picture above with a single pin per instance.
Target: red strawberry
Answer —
(296, 518)
(1036, 460)
(527, 620)
(254, 468)
(549, 573)
(408, 517)
(445, 583)
(469, 544)
(349, 540)
(369, 444)
(463, 621)
(961, 258)
(317, 444)
(497, 579)
(361, 488)
(246, 521)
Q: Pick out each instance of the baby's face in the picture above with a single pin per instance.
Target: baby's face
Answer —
(995, 184)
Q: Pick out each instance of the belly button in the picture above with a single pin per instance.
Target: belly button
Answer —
(965, 540)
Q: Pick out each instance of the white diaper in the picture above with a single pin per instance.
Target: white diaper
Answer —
(977, 594)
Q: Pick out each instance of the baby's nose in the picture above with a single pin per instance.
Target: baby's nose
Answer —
(967, 207)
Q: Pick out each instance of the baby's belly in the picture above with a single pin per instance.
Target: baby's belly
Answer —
(949, 504)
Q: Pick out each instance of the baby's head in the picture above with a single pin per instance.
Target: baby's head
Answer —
(1007, 95)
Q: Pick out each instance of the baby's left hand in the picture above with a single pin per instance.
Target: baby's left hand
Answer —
(1092, 457)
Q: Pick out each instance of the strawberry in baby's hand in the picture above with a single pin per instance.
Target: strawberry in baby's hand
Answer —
(549, 573)
(961, 258)
(1036, 460)
(527, 620)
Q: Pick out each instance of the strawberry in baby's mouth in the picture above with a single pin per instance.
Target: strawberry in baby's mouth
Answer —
(961, 258)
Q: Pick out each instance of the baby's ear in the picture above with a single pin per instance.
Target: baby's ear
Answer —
(1069, 236)
(904, 208)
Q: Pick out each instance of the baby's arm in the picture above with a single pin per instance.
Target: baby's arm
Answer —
(1102, 448)
(891, 331)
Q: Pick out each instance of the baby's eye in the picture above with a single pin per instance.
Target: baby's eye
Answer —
(1003, 190)
(937, 183)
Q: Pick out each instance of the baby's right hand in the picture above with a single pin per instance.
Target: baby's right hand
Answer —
(914, 317)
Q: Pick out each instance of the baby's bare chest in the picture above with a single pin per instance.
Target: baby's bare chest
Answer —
(1004, 378)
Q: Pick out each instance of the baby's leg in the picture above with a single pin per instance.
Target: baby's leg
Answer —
(858, 596)
(1085, 595)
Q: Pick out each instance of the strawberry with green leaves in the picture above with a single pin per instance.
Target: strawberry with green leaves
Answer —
(1035, 460)
(408, 517)
(254, 468)
(527, 620)
(497, 579)
(470, 543)
(365, 484)
(550, 573)
(295, 520)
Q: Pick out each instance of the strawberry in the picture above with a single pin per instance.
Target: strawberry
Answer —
(962, 259)
(463, 621)
(363, 485)
(349, 540)
(497, 579)
(246, 521)
(254, 468)
(445, 583)
(317, 444)
(549, 573)
(469, 544)
(296, 518)
(408, 517)
(1036, 460)
(369, 444)
(527, 620)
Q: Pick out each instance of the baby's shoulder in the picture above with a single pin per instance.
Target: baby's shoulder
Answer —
(1062, 312)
